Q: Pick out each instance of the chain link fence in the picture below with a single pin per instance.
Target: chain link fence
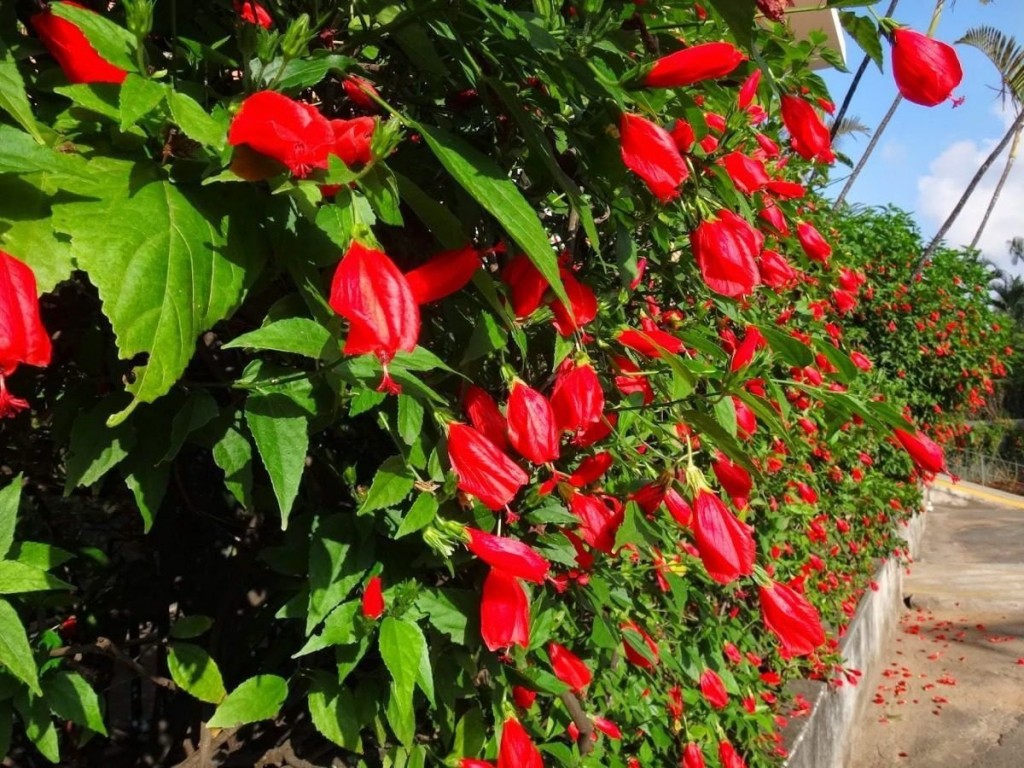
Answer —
(987, 470)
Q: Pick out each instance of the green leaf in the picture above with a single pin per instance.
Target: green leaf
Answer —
(188, 627)
(26, 230)
(410, 419)
(481, 177)
(422, 511)
(296, 335)
(725, 415)
(39, 555)
(113, 43)
(864, 31)
(148, 485)
(195, 672)
(739, 16)
(792, 351)
(138, 98)
(391, 484)
(72, 698)
(194, 120)
(488, 336)
(10, 498)
(337, 563)
(13, 98)
(339, 629)
(401, 645)
(164, 283)
(258, 698)
(15, 652)
(442, 223)
(19, 153)
(39, 727)
(451, 612)
(233, 454)
(16, 578)
(96, 448)
(470, 734)
(381, 190)
(333, 711)
(199, 410)
(101, 98)
(280, 430)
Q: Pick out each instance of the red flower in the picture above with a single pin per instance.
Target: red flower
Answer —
(569, 668)
(726, 545)
(808, 133)
(792, 619)
(483, 414)
(776, 272)
(683, 136)
(861, 361)
(504, 612)
(926, 455)
(650, 152)
(577, 398)
(510, 556)
(373, 599)
(746, 421)
(359, 89)
(253, 13)
(531, 424)
(791, 190)
(650, 341)
(523, 697)
(734, 479)
(517, 750)
(745, 352)
(443, 274)
(607, 727)
(23, 339)
(527, 285)
(773, 216)
(289, 131)
(591, 469)
(472, 762)
(713, 690)
(582, 302)
(926, 70)
(352, 139)
(374, 296)
(693, 756)
(633, 656)
(598, 523)
(483, 470)
(814, 245)
(729, 756)
(747, 173)
(749, 89)
(726, 249)
(72, 50)
(691, 65)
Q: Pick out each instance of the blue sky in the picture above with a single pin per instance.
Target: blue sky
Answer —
(927, 155)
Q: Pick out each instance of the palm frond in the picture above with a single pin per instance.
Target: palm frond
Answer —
(1005, 53)
(850, 125)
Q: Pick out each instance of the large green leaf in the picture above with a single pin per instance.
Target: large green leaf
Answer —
(16, 578)
(13, 98)
(72, 698)
(138, 97)
(19, 153)
(171, 267)
(113, 43)
(194, 120)
(401, 646)
(196, 672)
(481, 177)
(333, 711)
(39, 728)
(392, 483)
(258, 698)
(280, 430)
(337, 563)
(15, 652)
(10, 497)
(864, 31)
(297, 335)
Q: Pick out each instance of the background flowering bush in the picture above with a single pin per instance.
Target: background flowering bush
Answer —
(442, 383)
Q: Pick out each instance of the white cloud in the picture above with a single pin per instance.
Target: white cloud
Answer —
(949, 174)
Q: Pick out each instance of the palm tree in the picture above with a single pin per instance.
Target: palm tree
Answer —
(1008, 296)
(1008, 57)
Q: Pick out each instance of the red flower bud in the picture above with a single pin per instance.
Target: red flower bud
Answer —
(693, 757)
(598, 523)
(526, 285)
(482, 468)
(683, 136)
(591, 469)
(73, 51)
(373, 598)
(726, 249)
(508, 555)
(691, 65)
(523, 697)
(726, 545)
(926, 70)
(713, 690)
(582, 303)
(289, 131)
(745, 352)
(729, 757)
(649, 151)
(746, 421)
(483, 414)
(472, 762)
(577, 398)
(648, 341)
(747, 173)
(734, 479)
(358, 89)
(23, 339)
(253, 13)
(772, 215)
(504, 612)
(776, 272)
(926, 455)
(517, 750)
(792, 619)
(749, 89)
(443, 274)
(531, 424)
(861, 361)
(569, 668)
(814, 245)
(633, 656)
(374, 296)
(809, 135)
(352, 140)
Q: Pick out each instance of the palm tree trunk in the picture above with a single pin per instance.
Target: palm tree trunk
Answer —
(999, 188)
(867, 152)
(856, 80)
(1013, 130)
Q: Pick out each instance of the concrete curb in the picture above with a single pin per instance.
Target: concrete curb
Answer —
(826, 734)
(959, 494)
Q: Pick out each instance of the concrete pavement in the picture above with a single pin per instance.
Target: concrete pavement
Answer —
(950, 691)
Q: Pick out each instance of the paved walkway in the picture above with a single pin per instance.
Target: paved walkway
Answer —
(950, 688)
